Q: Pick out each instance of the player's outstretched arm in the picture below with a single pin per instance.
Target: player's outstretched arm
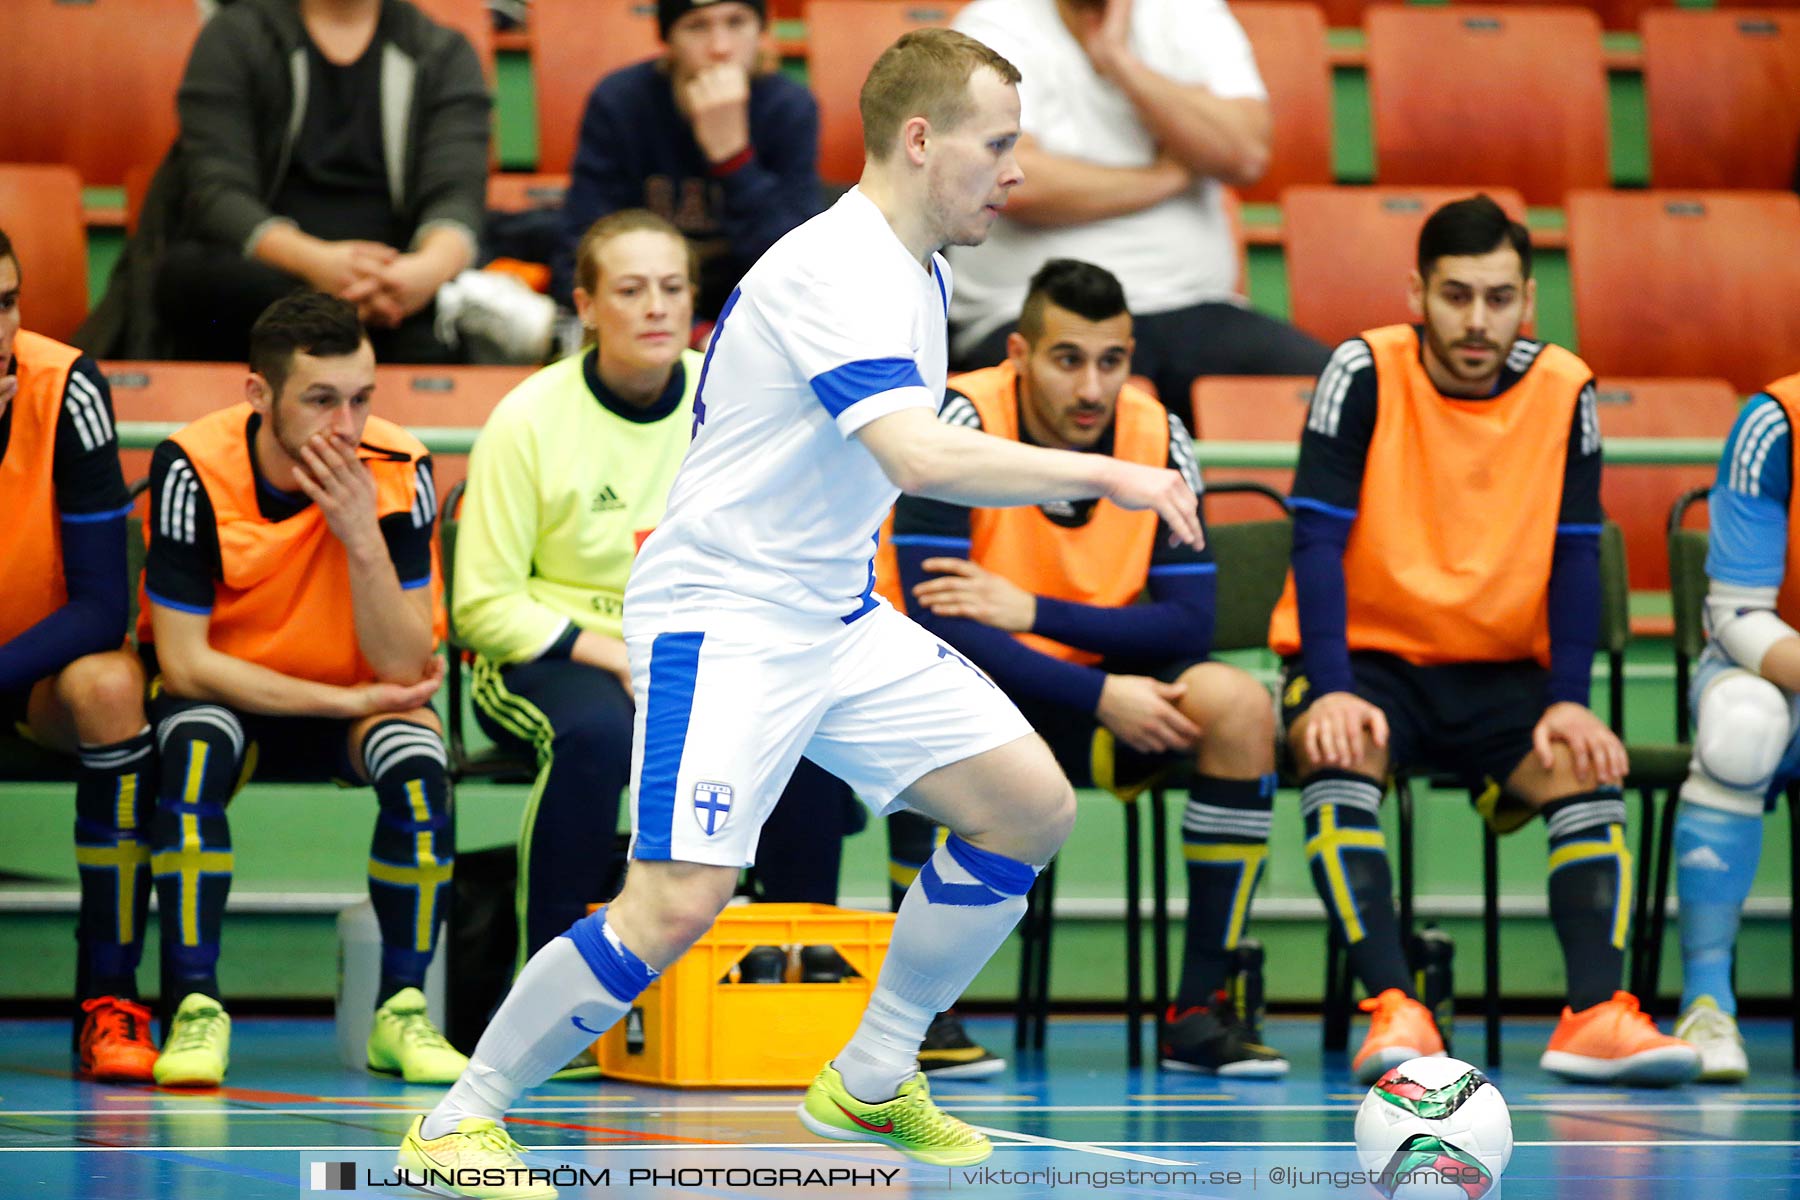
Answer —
(194, 670)
(922, 456)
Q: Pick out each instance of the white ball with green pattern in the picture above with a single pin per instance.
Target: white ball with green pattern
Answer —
(1435, 1127)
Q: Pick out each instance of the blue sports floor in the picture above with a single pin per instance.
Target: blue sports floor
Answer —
(1072, 1122)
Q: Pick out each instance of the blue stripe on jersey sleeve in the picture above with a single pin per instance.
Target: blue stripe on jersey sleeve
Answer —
(1330, 510)
(97, 517)
(841, 387)
(177, 605)
(1749, 511)
(1748, 546)
(940, 543)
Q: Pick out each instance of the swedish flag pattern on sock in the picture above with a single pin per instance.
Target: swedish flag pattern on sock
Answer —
(410, 856)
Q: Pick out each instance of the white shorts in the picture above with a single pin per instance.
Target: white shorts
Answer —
(724, 715)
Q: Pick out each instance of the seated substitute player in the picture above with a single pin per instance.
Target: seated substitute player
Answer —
(754, 635)
(291, 619)
(66, 681)
(1747, 725)
(1043, 599)
(1442, 610)
(568, 476)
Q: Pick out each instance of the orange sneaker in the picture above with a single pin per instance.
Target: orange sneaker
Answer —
(1400, 1028)
(115, 1041)
(1616, 1042)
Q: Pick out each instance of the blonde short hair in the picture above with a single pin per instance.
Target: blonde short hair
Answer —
(617, 224)
(924, 74)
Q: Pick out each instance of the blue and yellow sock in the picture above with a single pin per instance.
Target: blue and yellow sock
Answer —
(410, 852)
(1590, 891)
(203, 754)
(115, 794)
(1225, 839)
(1348, 858)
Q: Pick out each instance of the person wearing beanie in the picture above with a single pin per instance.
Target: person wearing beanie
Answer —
(670, 11)
(707, 137)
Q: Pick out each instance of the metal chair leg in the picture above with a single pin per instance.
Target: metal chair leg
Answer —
(1793, 796)
(1040, 1016)
(1134, 933)
(1159, 900)
(1335, 1020)
(1403, 804)
(1648, 814)
(1029, 949)
(1659, 902)
(1490, 937)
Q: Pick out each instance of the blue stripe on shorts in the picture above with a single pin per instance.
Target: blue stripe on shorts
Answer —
(674, 663)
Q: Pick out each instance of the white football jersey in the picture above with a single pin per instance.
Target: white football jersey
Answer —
(775, 511)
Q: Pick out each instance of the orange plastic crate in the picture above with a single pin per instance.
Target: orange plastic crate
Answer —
(690, 1030)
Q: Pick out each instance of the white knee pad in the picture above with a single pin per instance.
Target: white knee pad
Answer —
(1742, 732)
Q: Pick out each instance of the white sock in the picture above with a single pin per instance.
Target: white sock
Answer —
(532, 1036)
(963, 904)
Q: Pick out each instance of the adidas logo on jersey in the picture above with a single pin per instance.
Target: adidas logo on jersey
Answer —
(607, 500)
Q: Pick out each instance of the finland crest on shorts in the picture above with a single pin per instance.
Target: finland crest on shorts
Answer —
(712, 806)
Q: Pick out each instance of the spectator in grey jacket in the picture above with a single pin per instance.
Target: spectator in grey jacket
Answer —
(340, 145)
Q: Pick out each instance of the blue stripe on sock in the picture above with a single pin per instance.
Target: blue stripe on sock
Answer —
(619, 971)
(674, 663)
(1008, 876)
(960, 895)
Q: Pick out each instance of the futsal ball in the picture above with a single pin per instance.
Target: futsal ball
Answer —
(1434, 1127)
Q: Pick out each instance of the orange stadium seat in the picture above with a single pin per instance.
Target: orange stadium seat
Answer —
(414, 396)
(1620, 15)
(573, 44)
(1248, 408)
(1723, 93)
(1638, 498)
(1349, 251)
(1343, 14)
(843, 40)
(1687, 283)
(92, 84)
(1289, 41)
(167, 392)
(1543, 131)
(40, 209)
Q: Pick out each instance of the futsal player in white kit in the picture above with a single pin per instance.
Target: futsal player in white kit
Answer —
(755, 637)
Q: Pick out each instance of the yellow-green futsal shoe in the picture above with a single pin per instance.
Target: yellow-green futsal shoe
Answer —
(480, 1160)
(199, 1047)
(911, 1123)
(404, 1042)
